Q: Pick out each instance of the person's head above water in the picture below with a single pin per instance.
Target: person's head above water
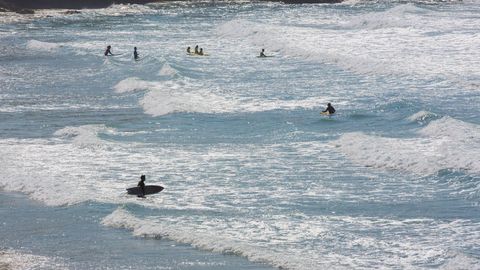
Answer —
(135, 48)
(263, 50)
(329, 104)
(108, 47)
(142, 177)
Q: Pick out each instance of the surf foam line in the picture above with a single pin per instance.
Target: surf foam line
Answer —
(13, 259)
(37, 45)
(306, 242)
(186, 95)
(121, 218)
(65, 170)
(445, 143)
(83, 164)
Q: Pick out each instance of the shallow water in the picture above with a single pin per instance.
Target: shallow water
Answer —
(250, 167)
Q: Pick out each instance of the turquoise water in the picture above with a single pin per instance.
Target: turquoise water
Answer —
(254, 176)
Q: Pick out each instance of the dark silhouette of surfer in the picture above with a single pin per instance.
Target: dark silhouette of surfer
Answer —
(200, 52)
(262, 53)
(188, 50)
(107, 51)
(141, 184)
(329, 109)
(135, 53)
(196, 49)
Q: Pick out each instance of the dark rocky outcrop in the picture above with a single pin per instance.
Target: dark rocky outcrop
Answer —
(27, 6)
(312, 1)
(24, 5)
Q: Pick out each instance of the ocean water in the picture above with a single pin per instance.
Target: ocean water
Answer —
(254, 176)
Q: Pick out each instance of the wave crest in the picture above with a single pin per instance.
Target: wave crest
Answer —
(42, 46)
(442, 145)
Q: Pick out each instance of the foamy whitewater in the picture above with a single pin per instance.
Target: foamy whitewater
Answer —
(254, 176)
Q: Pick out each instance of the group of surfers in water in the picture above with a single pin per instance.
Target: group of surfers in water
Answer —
(108, 52)
(196, 51)
(199, 51)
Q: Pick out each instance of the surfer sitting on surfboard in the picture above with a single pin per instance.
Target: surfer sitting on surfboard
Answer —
(262, 53)
(141, 184)
(329, 109)
(107, 51)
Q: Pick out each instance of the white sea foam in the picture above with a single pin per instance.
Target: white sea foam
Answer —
(12, 259)
(443, 144)
(167, 71)
(422, 116)
(132, 84)
(333, 241)
(42, 46)
(83, 136)
(199, 238)
(397, 16)
(412, 50)
(186, 95)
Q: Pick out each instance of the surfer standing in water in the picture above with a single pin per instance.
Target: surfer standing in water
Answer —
(107, 51)
(141, 184)
(329, 109)
(135, 53)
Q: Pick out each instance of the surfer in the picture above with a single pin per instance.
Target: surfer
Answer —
(262, 53)
(141, 184)
(196, 49)
(107, 51)
(135, 53)
(200, 52)
(188, 50)
(329, 109)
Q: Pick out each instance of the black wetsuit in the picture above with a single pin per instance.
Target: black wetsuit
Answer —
(108, 52)
(135, 55)
(330, 109)
(141, 184)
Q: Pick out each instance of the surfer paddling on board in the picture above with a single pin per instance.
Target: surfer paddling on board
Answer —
(107, 51)
(141, 184)
(329, 109)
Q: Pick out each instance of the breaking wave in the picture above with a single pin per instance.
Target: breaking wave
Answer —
(42, 46)
(360, 44)
(444, 144)
(164, 97)
(279, 240)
